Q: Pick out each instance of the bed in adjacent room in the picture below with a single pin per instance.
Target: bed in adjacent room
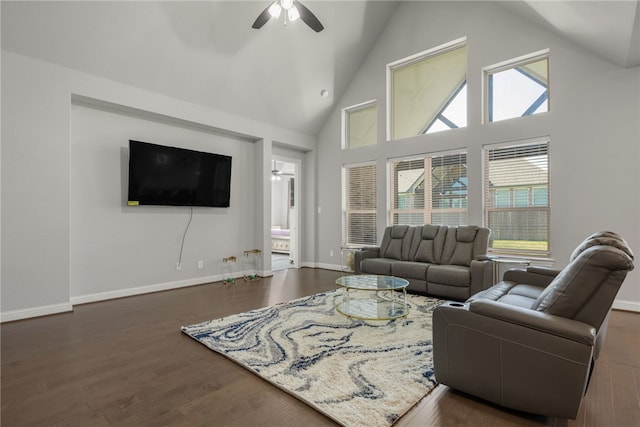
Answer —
(279, 240)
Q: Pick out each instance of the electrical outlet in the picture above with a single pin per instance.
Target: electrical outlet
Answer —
(331, 252)
(178, 266)
(200, 263)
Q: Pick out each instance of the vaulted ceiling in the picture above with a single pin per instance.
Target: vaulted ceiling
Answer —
(208, 54)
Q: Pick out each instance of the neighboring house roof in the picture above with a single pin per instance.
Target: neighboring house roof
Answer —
(501, 173)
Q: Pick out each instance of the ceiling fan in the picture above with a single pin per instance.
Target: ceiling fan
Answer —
(293, 10)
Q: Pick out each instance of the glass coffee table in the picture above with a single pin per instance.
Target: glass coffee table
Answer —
(371, 297)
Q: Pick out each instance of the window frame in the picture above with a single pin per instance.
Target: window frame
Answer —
(346, 112)
(532, 205)
(509, 65)
(428, 209)
(412, 59)
(345, 205)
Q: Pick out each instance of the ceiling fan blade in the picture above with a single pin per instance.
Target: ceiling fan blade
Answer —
(308, 17)
(262, 19)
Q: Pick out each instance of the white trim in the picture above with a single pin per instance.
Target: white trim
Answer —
(140, 290)
(507, 65)
(43, 310)
(515, 62)
(626, 305)
(325, 266)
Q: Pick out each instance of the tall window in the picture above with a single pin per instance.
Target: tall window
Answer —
(430, 189)
(517, 88)
(516, 190)
(360, 125)
(427, 92)
(359, 201)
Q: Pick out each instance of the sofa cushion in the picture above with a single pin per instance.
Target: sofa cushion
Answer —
(493, 293)
(510, 293)
(570, 293)
(396, 242)
(452, 275)
(410, 270)
(428, 240)
(394, 250)
(380, 266)
(608, 238)
(459, 245)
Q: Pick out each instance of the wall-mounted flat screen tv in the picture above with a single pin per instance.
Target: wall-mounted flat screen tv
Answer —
(170, 176)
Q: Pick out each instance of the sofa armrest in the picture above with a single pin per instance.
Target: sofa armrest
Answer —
(366, 252)
(538, 276)
(481, 275)
(540, 321)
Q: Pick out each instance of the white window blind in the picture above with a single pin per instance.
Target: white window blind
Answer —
(360, 125)
(516, 192)
(359, 187)
(431, 189)
(424, 86)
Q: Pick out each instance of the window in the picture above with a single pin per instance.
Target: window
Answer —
(438, 196)
(517, 88)
(516, 193)
(360, 125)
(427, 92)
(359, 201)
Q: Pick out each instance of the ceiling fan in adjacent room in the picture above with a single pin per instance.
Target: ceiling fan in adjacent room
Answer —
(292, 11)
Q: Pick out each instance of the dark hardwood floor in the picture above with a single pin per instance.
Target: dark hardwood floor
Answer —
(125, 363)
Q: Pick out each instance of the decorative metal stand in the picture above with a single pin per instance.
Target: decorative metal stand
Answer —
(250, 260)
(227, 270)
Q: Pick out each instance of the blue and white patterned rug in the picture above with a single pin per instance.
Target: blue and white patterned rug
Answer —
(357, 373)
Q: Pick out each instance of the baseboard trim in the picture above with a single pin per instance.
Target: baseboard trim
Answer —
(334, 267)
(27, 313)
(140, 290)
(626, 305)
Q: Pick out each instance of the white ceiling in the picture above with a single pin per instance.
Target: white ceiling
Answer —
(206, 52)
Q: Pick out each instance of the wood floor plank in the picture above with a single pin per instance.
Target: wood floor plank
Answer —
(125, 362)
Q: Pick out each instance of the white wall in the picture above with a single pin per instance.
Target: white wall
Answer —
(114, 246)
(279, 200)
(67, 236)
(593, 126)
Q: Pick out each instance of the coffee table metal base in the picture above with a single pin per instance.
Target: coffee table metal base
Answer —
(370, 297)
(373, 308)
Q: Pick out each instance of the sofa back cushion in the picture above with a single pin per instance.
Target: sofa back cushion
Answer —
(396, 242)
(608, 238)
(462, 244)
(427, 243)
(586, 288)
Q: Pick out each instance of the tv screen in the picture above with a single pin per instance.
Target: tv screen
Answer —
(170, 176)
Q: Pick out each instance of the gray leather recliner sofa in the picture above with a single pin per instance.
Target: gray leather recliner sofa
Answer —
(438, 260)
(529, 342)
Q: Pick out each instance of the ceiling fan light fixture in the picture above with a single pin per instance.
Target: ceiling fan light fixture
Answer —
(294, 10)
(275, 9)
(293, 13)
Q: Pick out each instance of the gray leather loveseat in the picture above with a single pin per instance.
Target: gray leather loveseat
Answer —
(438, 260)
(530, 341)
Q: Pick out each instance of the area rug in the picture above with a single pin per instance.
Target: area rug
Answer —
(358, 373)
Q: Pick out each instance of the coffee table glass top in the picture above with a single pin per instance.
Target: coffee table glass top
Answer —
(367, 282)
(371, 297)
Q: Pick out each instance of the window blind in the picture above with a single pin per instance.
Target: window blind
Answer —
(359, 186)
(361, 126)
(431, 189)
(516, 188)
(422, 89)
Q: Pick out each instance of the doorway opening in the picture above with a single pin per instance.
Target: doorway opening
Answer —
(284, 214)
